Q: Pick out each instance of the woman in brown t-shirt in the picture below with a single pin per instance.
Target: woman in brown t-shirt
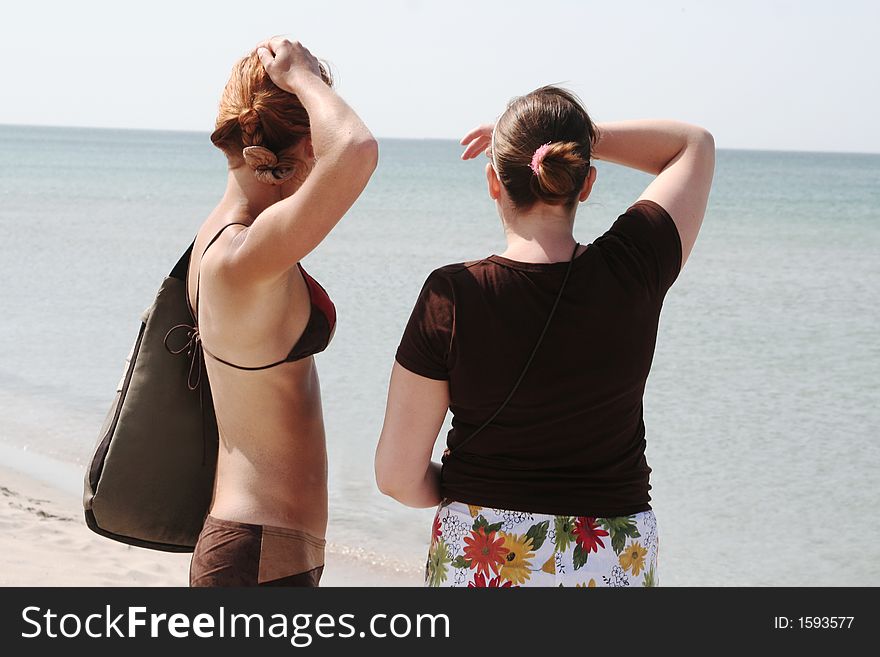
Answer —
(553, 490)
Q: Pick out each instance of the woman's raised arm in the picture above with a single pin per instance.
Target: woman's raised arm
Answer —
(346, 156)
(682, 156)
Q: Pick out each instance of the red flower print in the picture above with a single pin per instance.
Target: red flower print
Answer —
(587, 534)
(435, 529)
(484, 551)
(494, 583)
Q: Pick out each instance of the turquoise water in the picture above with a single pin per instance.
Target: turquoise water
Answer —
(761, 409)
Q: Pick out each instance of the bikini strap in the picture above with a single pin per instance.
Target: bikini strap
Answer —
(193, 348)
(241, 367)
(194, 311)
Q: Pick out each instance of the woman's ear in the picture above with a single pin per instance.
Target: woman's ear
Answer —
(588, 184)
(493, 182)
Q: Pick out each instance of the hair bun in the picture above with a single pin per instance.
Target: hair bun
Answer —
(541, 148)
(264, 164)
(251, 127)
(255, 112)
(559, 170)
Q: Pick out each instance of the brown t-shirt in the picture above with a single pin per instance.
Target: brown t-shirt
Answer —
(572, 439)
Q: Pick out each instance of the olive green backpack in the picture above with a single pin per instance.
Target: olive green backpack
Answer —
(150, 480)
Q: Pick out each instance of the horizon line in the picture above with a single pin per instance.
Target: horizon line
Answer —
(392, 138)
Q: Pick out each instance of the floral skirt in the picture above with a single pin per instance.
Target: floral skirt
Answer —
(474, 546)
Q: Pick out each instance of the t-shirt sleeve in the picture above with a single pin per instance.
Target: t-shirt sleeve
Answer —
(650, 244)
(424, 347)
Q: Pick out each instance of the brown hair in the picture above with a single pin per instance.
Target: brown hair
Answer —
(548, 115)
(260, 122)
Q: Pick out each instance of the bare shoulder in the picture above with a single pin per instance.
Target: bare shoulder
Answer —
(211, 253)
(682, 188)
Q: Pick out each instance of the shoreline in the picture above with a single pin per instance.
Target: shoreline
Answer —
(45, 541)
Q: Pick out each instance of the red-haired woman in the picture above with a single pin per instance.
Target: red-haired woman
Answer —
(542, 353)
(298, 157)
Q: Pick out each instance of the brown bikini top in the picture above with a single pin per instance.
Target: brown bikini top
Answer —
(314, 339)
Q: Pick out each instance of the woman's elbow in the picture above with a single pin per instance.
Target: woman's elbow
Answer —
(703, 138)
(387, 477)
(363, 150)
(391, 485)
(383, 480)
(370, 152)
(387, 486)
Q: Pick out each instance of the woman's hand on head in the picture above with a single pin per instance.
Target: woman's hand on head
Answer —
(477, 141)
(287, 62)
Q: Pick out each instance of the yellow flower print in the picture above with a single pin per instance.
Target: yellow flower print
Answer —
(550, 565)
(438, 562)
(633, 557)
(517, 565)
(591, 584)
(475, 510)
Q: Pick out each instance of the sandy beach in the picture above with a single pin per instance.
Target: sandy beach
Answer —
(45, 542)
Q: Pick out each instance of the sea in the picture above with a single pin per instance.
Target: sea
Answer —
(762, 408)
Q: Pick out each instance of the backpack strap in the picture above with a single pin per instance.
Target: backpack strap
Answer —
(195, 310)
(180, 269)
(449, 452)
(192, 346)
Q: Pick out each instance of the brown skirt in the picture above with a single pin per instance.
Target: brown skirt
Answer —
(230, 553)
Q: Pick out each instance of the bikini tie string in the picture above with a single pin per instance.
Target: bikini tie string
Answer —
(192, 349)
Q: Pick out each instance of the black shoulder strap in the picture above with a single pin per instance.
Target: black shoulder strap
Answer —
(193, 345)
(525, 368)
(179, 270)
(194, 310)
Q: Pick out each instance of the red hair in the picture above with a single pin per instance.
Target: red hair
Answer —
(255, 112)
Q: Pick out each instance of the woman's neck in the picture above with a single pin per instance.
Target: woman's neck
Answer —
(540, 235)
(247, 197)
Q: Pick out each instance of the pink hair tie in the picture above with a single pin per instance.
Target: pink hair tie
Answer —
(538, 157)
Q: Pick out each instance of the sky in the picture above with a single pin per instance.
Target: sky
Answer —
(772, 74)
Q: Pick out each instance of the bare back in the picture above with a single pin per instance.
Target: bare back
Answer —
(272, 464)
(257, 305)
